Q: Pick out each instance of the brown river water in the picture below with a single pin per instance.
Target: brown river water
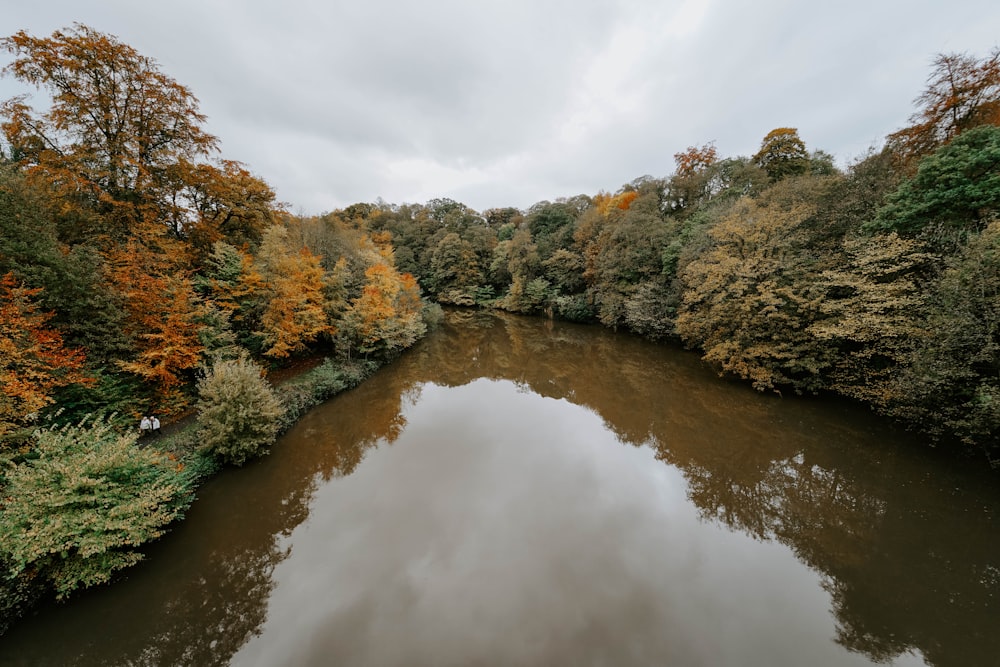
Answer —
(516, 491)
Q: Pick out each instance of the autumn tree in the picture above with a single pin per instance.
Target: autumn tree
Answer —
(386, 318)
(84, 308)
(782, 153)
(750, 299)
(33, 360)
(962, 92)
(692, 182)
(115, 127)
(163, 318)
(874, 311)
(222, 202)
(295, 313)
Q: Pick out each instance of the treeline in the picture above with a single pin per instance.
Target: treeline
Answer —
(140, 273)
(880, 282)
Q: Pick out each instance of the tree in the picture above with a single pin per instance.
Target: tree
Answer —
(386, 318)
(238, 411)
(163, 318)
(626, 251)
(295, 313)
(957, 188)
(115, 127)
(455, 271)
(749, 298)
(782, 153)
(227, 203)
(78, 509)
(950, 384)
(33, 359)
(875, 310)
(564, 269)
(962, 92)
(84, 308)
(234, 284)
(692, 181)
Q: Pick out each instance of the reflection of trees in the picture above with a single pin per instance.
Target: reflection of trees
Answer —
(906, 557)
(236, 598)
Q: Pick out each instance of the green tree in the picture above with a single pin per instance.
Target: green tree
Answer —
(626, 252)
(956, 189)
(950, 384)
(564, 269)
(84, 308)
(455, 271)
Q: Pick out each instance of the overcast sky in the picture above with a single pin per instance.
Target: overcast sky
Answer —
(507, 103)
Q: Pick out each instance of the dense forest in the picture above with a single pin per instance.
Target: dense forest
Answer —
(142, 273)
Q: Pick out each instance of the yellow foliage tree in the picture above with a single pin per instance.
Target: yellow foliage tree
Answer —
(748, 300)
(295, 314)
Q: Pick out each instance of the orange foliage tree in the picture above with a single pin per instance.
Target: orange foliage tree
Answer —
(962, 92)
(386, 317)
(163, 316)
(222, 202)
(115, 126)
(606, 203)
(33, 360)
(692, 181)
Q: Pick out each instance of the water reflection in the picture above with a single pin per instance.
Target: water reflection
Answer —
(428, 517)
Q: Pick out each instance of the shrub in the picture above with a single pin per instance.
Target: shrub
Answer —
(83, 500)
(238, 411)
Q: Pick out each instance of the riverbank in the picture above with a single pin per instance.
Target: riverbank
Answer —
(298, 392)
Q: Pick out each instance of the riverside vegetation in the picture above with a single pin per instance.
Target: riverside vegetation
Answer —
(141, 273)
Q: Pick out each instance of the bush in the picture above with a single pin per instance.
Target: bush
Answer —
(79, 505)
(238, 412)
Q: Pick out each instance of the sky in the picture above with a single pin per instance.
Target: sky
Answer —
(499, 103)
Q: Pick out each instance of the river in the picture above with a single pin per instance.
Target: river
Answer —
(516, 491)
